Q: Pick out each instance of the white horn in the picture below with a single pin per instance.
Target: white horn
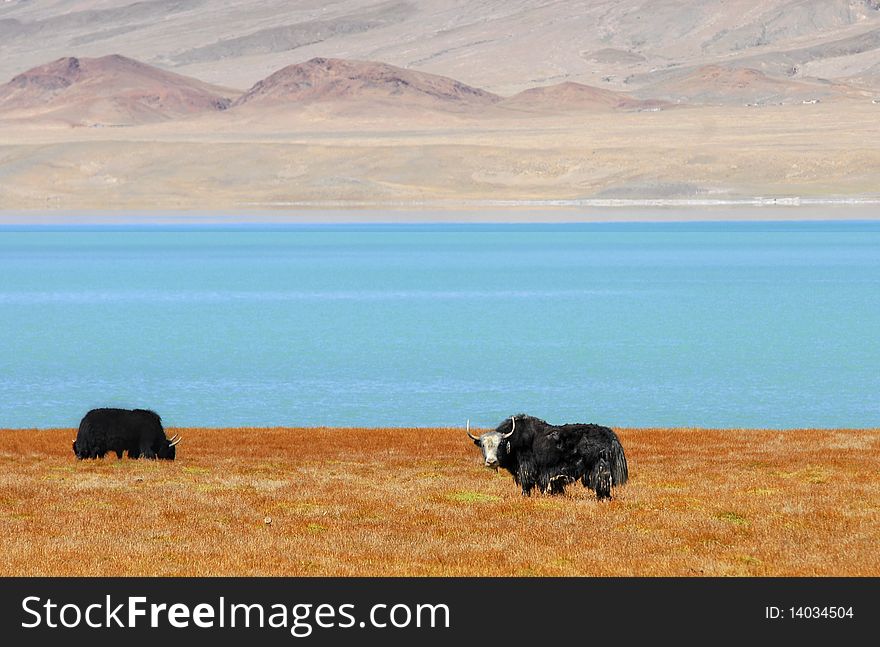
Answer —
(175, 442)
(173, 438)
(472, 437)
(512, 428)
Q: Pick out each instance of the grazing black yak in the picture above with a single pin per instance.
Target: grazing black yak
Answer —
(138, 432)
(550, 457)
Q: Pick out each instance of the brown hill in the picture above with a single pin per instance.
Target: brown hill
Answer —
(570, 97)
(719, 85)
(341, 81)
(111, 90)
(494, 44)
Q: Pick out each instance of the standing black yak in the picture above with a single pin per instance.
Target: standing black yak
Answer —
(138, 432)
(550, 457)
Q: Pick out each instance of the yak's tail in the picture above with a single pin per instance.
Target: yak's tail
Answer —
(619, 469)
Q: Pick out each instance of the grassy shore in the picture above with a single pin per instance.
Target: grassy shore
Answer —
(418, 502)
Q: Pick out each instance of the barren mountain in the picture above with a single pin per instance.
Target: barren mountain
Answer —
(111, 90)
(576, 75)
(323, 80)
(571, 97)
(504, 46)
(718, 85)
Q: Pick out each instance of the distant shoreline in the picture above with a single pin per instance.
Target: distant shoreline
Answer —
(474, 212)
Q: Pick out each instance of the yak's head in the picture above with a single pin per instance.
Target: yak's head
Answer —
(167, 448)
(489, 443)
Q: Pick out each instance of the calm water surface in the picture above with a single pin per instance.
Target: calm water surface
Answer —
(724, 324)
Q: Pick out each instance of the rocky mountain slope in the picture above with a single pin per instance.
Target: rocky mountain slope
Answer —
(504, 46)
(111, 90)
(322, 80)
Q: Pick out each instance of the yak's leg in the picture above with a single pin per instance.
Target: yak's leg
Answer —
(527, 482)
(588, 480)
(526, 477)
(147, 451)
(134, 453)
(543, 483)
(557, 485)
(601, 476)
(590, 476)
(119, 453)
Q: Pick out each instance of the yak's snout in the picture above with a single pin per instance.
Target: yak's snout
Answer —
(168, 449)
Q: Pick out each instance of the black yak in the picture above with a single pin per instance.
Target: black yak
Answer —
(550, 457)
(138, 432)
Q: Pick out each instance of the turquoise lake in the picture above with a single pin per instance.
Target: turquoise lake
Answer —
(679, 324)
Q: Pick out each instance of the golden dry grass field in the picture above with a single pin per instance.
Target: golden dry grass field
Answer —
(418, 502)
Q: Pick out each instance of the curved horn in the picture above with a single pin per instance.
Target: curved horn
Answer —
(512, 428)
(470, 435)
(173, 438)
(175, 442)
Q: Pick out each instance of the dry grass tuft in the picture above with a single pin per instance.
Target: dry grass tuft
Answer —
(417, 502)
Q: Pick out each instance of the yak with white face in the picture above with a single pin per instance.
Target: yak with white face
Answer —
(550, 457)
(489, 443)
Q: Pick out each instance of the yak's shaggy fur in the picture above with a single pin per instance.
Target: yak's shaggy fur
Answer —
(138, 432)
(550, 457)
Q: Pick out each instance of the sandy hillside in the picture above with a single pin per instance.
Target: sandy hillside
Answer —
(573, 97)
(236, 160)
(720, 85)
